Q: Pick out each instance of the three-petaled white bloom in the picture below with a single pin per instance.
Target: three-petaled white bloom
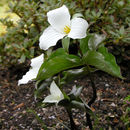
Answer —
(60, 26)
(56, 94)
(32, 73)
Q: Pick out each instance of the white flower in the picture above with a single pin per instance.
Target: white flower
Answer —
(60, 26)
(56, 94)
(32, 73)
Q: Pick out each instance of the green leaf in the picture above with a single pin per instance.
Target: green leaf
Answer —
(122, 30)
(41, 87)
(95, 40)
(84, 44)
(65, 43)
(78, 105)
(103, 61)
(77, 15)
(71, 75)
(81, 105)
(58, 52)
(58, 63)
(111, 61)
(22, 59)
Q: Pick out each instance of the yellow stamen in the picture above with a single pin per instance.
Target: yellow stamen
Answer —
(67, 29)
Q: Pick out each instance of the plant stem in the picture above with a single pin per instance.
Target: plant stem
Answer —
(73, 126)
(89, 122)
(94, 91)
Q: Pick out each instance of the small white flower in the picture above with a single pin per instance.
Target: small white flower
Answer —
(56, 94)
(60, 26)
(32, 73)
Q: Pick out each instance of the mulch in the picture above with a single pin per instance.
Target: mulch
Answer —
(16, 102)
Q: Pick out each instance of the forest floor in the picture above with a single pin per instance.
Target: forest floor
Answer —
(17, 102)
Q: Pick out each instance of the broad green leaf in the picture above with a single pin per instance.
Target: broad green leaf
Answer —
(71, 75)
(58, 52)
(95, 40)
(58, 63)
(78, 105)
(41, 87)
(103, 61)
(84, 44)
(65, 43)
(111, 61)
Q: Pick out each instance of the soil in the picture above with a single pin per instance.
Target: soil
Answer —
(18, 107)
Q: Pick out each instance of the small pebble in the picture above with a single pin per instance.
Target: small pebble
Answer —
(113, 104)
(106, 85)
(24, 112)
(52, 117)
(34, 122)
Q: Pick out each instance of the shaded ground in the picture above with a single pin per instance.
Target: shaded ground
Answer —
(109, 106)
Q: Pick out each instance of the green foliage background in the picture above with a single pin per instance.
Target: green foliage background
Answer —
(21, 40)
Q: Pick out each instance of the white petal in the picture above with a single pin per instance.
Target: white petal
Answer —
(49, 38)
(78, 28)
(32, 73)
(59, 18)
(53, 98)
(56, 94)
(54, 90)
(50, 99)
(37, 61)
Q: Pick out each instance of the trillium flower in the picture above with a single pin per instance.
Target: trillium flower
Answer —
(32, 73)
(60, 26)
(56, 94)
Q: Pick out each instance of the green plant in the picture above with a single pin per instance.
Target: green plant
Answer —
(21, 40)
(125, 117)
(59, 64)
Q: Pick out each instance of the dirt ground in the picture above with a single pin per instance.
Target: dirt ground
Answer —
(109, 107)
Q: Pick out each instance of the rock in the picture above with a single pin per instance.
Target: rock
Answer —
(107, 85)
(113, 104)
(34, 122)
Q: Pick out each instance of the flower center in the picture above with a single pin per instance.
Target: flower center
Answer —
(67, 29)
